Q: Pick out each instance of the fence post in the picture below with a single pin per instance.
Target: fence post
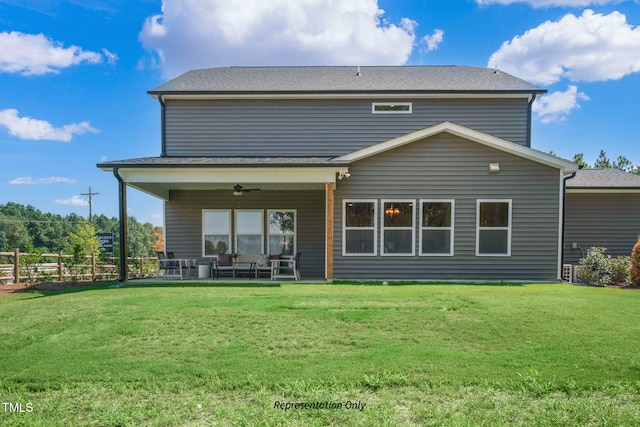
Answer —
(16, 266)
(60, 271)
(93, 266)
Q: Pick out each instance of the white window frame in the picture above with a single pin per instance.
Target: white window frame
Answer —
(508, 228)
(295, 228)
(237, 234)
(413, 226)
(374, 228)
(204, 212)
(391, 104)
(451, 229)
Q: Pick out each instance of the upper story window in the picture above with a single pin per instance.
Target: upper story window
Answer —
(391, 107)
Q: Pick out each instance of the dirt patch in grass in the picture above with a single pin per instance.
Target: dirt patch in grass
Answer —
(43, 287)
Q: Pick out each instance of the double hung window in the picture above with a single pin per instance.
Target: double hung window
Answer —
(249, 233)
(398, 231)
(282, 232)
(216, 230)
(493, 227)
(436, 227)
(359, 227)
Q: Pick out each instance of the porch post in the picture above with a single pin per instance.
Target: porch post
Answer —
(124, 241)
(329, 236)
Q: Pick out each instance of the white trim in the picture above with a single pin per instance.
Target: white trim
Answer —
(231, 175)
(466, 133)
(237, 233)
(508, 228)
(413, 226)
(391, 104)
(346, 95)
(202, 231)
(451, 228)
(374, 228)
(295, 228)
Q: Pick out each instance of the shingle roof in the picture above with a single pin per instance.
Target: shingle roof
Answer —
(445, 79)
(222, 161)
(604, 178)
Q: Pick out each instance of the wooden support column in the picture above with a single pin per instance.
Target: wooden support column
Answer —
(330, 186)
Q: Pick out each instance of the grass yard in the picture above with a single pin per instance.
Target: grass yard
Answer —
(181, 355)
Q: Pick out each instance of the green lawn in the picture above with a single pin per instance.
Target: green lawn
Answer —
(240, 355)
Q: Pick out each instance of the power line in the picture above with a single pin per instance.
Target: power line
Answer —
(89, 194)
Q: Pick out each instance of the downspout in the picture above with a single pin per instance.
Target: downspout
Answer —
(122, 203)
(163, 152)
(529, 110)
(564, 214)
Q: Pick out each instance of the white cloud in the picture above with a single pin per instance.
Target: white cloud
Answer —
(591, 47)
(193, 34)
(558, 105)
(73, 201)
(27, 180)
(30, 54)
(28, 128)
(433, 41)
(549, 3)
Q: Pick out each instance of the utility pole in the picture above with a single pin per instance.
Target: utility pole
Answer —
(90, 195)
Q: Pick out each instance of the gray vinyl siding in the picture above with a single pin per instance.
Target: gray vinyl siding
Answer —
(448, 167)
(183, 217)
(605, 220)
(323, 127)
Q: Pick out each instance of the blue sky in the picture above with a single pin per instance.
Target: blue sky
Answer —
(74, 73)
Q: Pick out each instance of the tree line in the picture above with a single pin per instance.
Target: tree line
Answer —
(27, 228)
(603, 162)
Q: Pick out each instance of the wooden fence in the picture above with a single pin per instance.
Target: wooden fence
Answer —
(17, 267)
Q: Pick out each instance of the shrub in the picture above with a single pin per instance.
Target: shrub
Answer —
(601, 270)
(634, 268)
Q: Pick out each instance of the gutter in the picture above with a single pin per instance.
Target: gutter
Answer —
(529, 110)
(163, 145)
(122, 225)
(564, 215)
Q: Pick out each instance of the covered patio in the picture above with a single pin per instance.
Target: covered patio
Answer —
(239, 205)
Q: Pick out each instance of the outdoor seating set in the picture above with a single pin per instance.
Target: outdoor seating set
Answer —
(250, 266)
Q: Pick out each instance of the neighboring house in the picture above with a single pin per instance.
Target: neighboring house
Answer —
(370, 172)
(602, 209)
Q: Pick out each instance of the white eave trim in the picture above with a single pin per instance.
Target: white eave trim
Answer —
(470, 134)
(346, 95)
(230, 175)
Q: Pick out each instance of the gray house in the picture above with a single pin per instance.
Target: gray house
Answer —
(602, 209)
(368, 172)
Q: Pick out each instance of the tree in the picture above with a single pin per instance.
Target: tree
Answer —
(579, 159)
(602, 161)
(85, 239)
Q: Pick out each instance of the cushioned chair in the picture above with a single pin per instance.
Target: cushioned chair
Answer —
(221, 265)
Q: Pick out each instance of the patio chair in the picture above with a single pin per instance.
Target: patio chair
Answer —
(164, 263)
(288, 267)
(222, 265)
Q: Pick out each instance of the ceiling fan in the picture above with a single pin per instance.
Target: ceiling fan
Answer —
(239, 190)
